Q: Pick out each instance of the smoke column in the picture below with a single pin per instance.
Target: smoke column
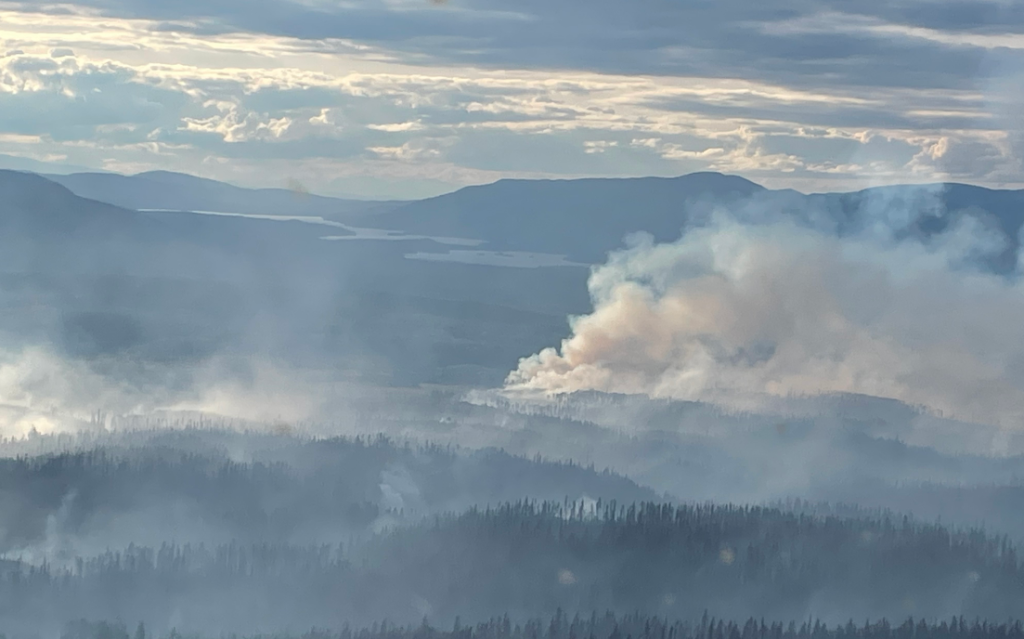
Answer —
(734, 311)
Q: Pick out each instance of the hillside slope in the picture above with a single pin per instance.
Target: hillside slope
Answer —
(584, 219)
(182, 192)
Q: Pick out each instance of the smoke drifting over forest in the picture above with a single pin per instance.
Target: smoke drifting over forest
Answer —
(734, 311)
(660, 320)
(766, 404)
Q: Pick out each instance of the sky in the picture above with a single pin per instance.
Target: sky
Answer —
(411, 98)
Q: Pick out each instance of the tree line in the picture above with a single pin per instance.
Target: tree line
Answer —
(527, 558)
(608, 626)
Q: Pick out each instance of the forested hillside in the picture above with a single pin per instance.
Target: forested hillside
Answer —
(651, 558)
(611, 626)
(214, 487)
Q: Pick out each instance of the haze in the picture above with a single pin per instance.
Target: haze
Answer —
(457, 320)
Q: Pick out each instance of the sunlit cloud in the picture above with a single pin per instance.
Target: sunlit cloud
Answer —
(121, 91)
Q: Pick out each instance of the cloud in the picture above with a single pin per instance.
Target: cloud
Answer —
(739, 310)
(952, 34)
(905, 44)
(424, 149)
(233, 124)
(809, 98)
(599, 146)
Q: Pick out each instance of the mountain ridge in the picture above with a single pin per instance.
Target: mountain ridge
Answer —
(184, 192)
(584, 219)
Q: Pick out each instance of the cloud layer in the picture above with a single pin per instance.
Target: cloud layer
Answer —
(408, 98)
(735, 311)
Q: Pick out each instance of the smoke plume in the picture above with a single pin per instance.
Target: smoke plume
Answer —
(735, 311)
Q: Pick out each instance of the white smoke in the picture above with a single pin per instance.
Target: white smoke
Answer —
(41, 391)
(735, 311)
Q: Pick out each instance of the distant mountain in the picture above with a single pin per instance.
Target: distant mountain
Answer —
(95, 280)
(586, 218)
(36, 210)
(581, 218)
(924, 210)
(16, 163)
(100, 279)
(182, 192)
(45, 226)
